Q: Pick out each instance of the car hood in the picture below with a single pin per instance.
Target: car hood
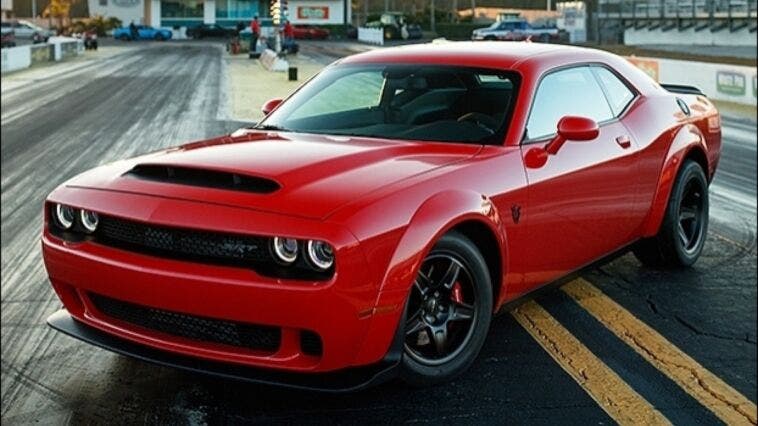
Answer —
(294, 174)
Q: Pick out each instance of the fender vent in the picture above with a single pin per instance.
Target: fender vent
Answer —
(203, 178)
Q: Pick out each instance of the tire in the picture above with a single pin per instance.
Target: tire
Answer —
(490, 38)
(545, 38)
(682, 235)
(159, 37)
(426, 361)
(124, 37)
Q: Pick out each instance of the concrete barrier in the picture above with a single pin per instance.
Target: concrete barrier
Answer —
(371, 35)
(721, 82)
(16, 58)
(56, 49)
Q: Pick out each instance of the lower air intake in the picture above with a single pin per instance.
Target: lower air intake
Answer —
(203, 329)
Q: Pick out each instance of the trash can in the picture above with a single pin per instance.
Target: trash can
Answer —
(292, 74)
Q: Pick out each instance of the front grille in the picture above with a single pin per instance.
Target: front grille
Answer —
(257, 337)
(183, 244)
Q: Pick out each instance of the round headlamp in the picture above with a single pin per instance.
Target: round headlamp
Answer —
(64, 216)
(89, 220)
(285, 249)
(321, 254)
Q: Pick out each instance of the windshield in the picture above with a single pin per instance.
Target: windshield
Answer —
(427, 102)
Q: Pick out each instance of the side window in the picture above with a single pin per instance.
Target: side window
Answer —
(574, 91)
(618, 93)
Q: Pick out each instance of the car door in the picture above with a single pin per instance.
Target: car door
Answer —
(145, 32)
(582, 200)
(23, 30)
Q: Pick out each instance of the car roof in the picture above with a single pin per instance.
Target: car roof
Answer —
(486, 54)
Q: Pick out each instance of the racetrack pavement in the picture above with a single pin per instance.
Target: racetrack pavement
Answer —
(623, 343)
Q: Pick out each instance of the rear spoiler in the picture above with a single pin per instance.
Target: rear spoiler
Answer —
(678, 88)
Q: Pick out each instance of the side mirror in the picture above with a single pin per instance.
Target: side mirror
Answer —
(573, 128)
(270, 105)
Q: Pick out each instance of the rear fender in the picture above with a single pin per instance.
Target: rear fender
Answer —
(433, 219)
(687, 139)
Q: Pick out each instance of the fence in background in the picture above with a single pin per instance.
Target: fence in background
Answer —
(371, 35)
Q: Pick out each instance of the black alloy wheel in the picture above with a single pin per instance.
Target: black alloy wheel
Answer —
(681, 237)
(449, 309)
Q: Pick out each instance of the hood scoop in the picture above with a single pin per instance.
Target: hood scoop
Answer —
(191, 176)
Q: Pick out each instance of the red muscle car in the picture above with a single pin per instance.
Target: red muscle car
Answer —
(373, 222)
(309, 32)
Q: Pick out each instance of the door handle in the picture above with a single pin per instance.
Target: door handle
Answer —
(624, 141)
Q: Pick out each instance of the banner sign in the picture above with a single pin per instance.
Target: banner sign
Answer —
(313, 12)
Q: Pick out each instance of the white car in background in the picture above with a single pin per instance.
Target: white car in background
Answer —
(26, 29)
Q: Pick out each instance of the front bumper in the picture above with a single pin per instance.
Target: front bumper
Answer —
(343, 311)
(347, 380)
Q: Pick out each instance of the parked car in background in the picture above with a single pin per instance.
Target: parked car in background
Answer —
(516, 30)
(310, 32)
(211, 30)
(8, 38)
(26, 29)
(396, 27)
(144, 32)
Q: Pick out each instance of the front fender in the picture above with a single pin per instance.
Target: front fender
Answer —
(436, 216)
(687, 139)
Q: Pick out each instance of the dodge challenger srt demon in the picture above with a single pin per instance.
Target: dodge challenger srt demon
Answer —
(373, 222)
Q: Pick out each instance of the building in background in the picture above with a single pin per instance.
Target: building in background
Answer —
(7, 9)
(188, 13)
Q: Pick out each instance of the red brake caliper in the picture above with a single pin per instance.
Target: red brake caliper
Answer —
(457, 294)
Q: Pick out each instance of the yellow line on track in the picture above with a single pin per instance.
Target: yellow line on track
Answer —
(724, 401)
(615, 396)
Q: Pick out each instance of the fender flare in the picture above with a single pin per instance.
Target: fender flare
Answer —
(688, 139)
(435, 217)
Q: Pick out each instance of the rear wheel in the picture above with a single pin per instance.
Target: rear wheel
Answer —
(681, 237)
(124, 37)
(545, 38)
(449, 312)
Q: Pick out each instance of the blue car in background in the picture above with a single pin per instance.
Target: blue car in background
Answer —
(144, 32)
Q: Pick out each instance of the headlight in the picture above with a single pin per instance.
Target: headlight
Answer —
(89, 220)
(320, 254)
(64, 216)
(285, 249)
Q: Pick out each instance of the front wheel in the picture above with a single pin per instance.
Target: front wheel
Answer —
(681, 237)
(448, 314)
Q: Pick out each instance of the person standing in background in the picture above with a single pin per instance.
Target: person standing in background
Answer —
(289, 33)
(255, 28)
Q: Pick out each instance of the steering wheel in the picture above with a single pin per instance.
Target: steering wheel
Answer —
(482, 120)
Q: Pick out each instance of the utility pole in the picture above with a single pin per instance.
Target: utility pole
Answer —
(433, 20)
(473, 10)
(455, 11)
(549, 3)
(34, 10)
(386, 5)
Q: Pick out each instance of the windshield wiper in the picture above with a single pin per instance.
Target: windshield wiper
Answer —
(272, 127)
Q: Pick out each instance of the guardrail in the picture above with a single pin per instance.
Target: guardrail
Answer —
(56, 49)
(371, 35)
